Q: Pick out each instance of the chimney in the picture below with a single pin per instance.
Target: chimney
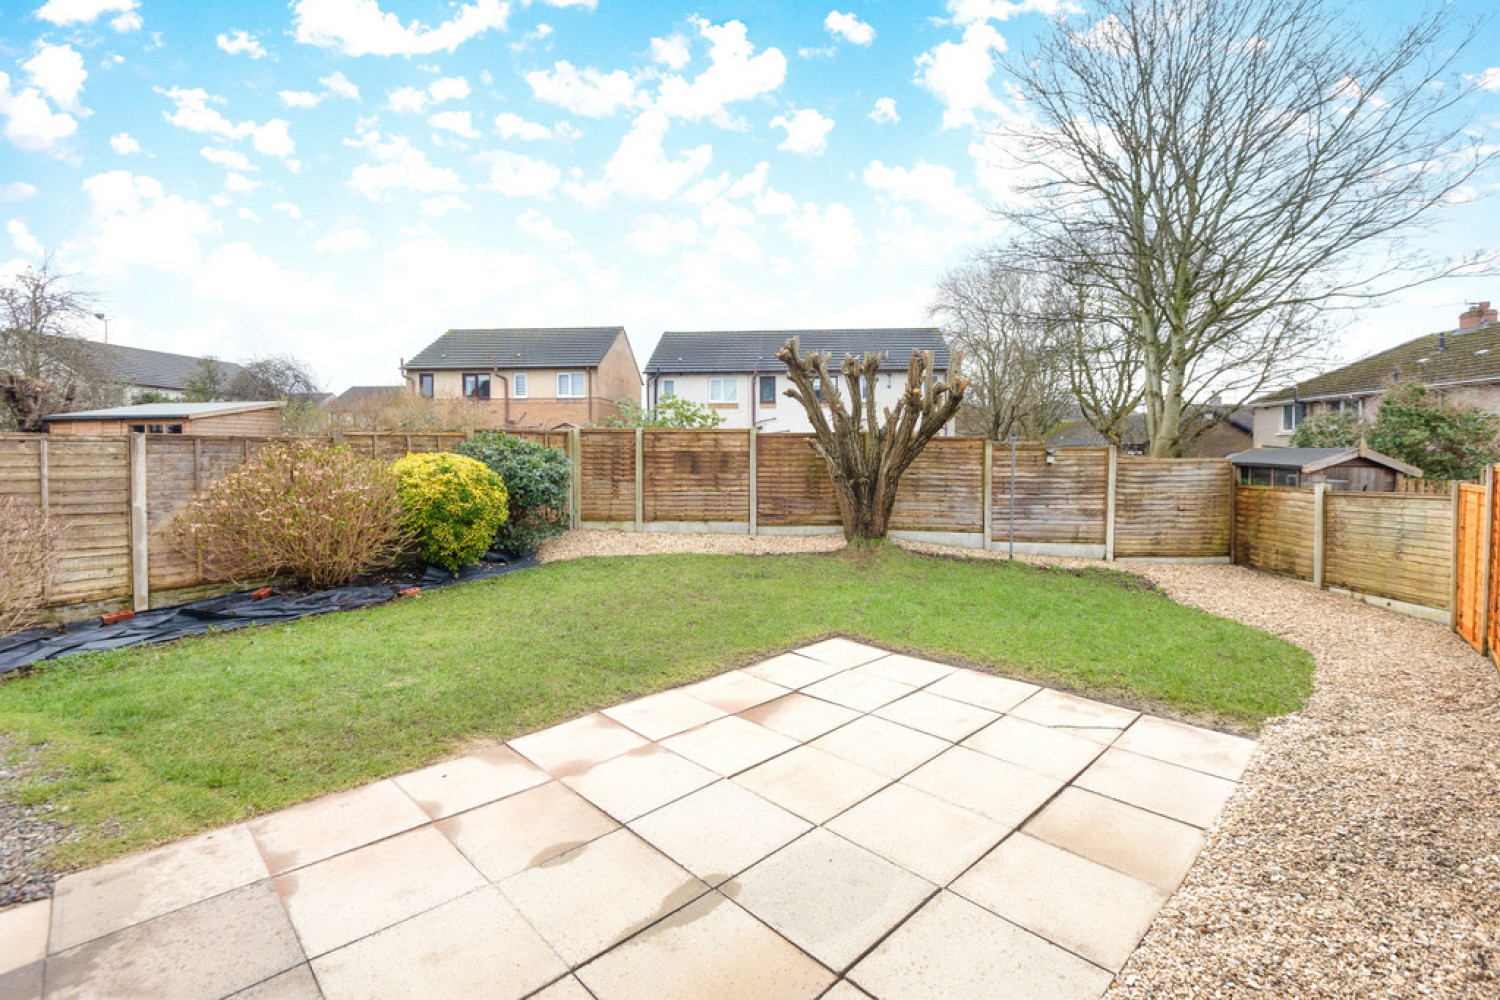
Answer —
(1479, 314)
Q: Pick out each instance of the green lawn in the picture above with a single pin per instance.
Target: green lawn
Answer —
(150, 744)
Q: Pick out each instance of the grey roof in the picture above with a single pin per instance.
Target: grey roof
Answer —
(360, 395)
(1316, 459)
(148, 369)
(481, 350)
(165, 411)
(691, 351)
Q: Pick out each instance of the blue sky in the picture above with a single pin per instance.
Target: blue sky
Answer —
(345, 179)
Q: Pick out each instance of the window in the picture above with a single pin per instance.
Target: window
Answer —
(476, 386)
(723, 390)
(424, 385)
(817, 385)
(1284, 477)
(174, 428)
(570, 385)
(768, 390)
(1356, 406)
(668, 387)
(1293, 414)
(518, 384)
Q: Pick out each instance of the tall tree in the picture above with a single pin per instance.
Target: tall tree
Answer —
(1231, 172)
(207, 381)
(45, 364)
(866, 458)
(272, 376)
(1103, 360)
(1018, 372)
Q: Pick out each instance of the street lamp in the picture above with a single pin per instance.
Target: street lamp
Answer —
(105, 320)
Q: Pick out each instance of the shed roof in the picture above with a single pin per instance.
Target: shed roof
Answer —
(692, 351)
(531, 347)
(1316, 459)
(167, 411)
(1435, 359)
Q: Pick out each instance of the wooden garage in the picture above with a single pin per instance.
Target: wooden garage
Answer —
(207, 419)
(1355, 469)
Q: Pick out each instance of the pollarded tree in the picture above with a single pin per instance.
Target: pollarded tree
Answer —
(866, 458)
(46, 367)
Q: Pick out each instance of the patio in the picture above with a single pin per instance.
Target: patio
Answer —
(837, 821)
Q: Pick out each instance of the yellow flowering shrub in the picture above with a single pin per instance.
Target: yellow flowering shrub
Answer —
(452, 507)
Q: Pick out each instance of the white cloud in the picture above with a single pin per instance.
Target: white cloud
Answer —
(288, 209)
(443, 204)
(229, 159)
(127, 22)
(136, 222)
(57, 71)
(238, 41)
(240, 184)
(513, 126)
(806, 132)
(448, 88)
(334, 84)
(339, 85)
(273, 139)
(361, 28)
(848, 27)
(23, 240)
(30, 122)
(884, 112)
(238, 273)
(16, 191)
(414, 100)
(1489, 79)
(586, 92)
(930, 185)
(344, 241)
(300, 98)
(539, 227)
(972, 11)
(734, 74)
(586, 4)
(195, 114)
(518, 176)
(829, 236)
(457, 122)
(656, 235)
(64, 12)
(399, 167)
(674, 51)
(958, 74)
(640, 167)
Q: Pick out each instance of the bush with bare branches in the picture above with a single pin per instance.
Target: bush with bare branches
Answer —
(321, 515)
(28, 541)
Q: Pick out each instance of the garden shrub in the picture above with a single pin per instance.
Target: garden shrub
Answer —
(319, 514)
(28, 541)
(452, 506)
(537, 480)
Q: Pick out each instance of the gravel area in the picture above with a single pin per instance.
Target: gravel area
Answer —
(578, 544)
(26, 832)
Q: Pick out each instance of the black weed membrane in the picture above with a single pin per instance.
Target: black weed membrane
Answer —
(230, 611)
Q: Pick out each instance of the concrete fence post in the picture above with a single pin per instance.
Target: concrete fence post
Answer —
(140, 565)
(1111, 481)
(754, 475)
(1319, 541)
(1453, 500)
(987, 494)
(640, 479)
(575, 448)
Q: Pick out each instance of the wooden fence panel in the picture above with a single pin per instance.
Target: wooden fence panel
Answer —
(173, 476)
(1273, 529)
(943, 489)
(1061, 503)
(1172, 508)
(1469, 611)
(88, 487)
(21, 467)
(606, 484)
(792, 484)
(697, 475)
(1395, 545)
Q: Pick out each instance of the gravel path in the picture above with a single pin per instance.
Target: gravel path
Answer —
(26, 832)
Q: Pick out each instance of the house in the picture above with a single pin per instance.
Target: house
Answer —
(530, 378)
(1462, 364)
(1232, 433)
(139, 370)
(1355, 469)
(209, 419)
(736, 372)
(365, 398)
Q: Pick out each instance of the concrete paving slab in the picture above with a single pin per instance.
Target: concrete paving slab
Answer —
(209, 949)
(709, 948)
(998, 694)
(845, 990)
(1091, 910)
(815, 785)
(658, 716)
(881, 746)
(1132, 841)
(637, 782)
(293, 984)
(919, 832)
(595, 896)
(909, 670)
(937, 716)
(1057, 753)
(1058, 708)
(720, 831)
(829, 897)
(526, 830)
(861, 692)
(102, 900)
(567, 988)
(953, 948)
(454, 786)
(729, 745)
(793, 670)
(800, 717)
(23, 934)
(1176, 792)
(475, 946)
(24, 982)
(578, 745)
(843, 652)
(334, 824)
(368, 889)
(1004, 792)
(1219, 754)
(734, 691)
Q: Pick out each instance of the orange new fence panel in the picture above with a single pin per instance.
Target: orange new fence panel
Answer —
(1469, 617)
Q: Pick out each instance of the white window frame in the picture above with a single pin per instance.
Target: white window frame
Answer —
(518, 385)
(568, 379)
(666, 387)
(716, 393)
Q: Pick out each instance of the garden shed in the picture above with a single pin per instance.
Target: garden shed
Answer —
(1355, 469)
(209, 419)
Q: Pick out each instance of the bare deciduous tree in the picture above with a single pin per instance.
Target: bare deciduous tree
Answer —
(1018, 372)
(866, 458)
(45, 366)
(1231, 173)
(1103, 360)
(272, 376)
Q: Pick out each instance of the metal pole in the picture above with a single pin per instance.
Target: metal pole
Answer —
(1011, 553)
